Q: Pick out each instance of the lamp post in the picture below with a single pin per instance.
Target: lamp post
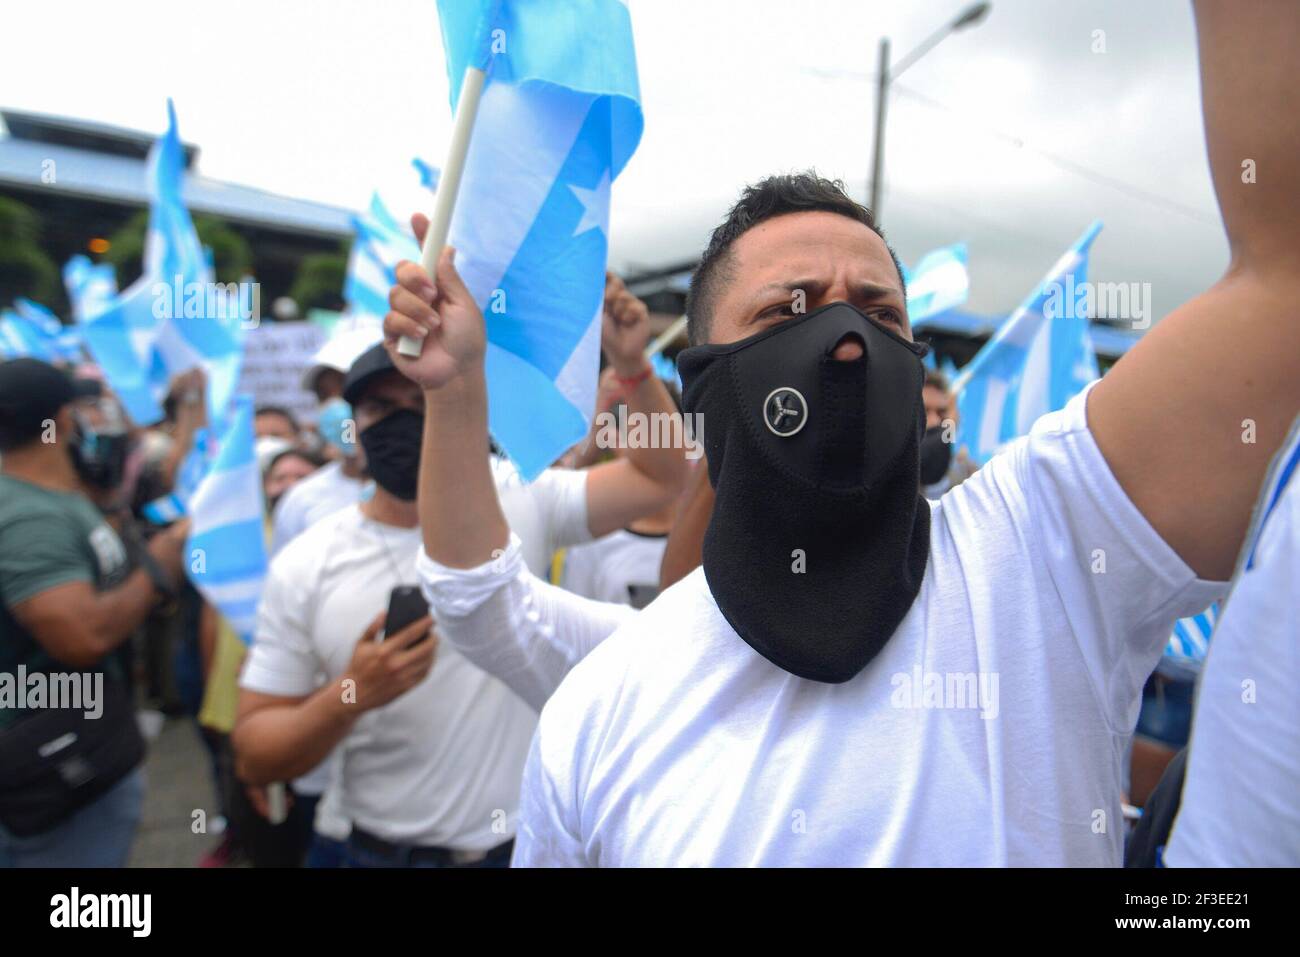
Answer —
(885, 75)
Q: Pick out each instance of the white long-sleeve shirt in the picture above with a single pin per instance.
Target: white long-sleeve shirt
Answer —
(513, 625)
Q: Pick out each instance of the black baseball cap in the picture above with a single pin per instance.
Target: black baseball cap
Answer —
(31, 391)
(373, 362)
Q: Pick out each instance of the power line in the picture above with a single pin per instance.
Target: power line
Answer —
(1068, 165)
(1060, 162)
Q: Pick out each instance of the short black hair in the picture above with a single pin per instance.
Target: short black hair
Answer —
(774, 196)
(279, 410)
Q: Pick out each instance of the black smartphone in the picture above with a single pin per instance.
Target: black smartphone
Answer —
(405, 605)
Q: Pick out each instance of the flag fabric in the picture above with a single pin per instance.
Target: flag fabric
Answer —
(559, 118)
(195, 330)
(940, 282)
(429, 175)
(1037, 361)
(193, 468)
(91, 287)
(225, 554)
(380, 244)
(174, 317)
(31, 330)
(1187, 646)
(121, 340)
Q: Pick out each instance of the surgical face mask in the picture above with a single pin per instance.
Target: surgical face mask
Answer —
(819, 537)
(99, 451)
(392, 447)
(337, 427)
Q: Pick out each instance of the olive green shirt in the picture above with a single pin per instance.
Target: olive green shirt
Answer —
(47, 538)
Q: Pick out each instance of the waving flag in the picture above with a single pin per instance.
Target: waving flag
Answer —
(29, 329)
(429, 175)
(91, 287)
(174, 317)
(1036, 362)
(1185, 651)
(380, 244)
(939, 282)
(226, 550)
(559, 118)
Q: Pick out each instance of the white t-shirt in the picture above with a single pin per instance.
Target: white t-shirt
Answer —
(1045, 605)
(439, 766)
(621, 567)
(1241, 796)
(322, 493)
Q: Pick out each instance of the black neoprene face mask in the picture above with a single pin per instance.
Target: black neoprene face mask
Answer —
(819, 536)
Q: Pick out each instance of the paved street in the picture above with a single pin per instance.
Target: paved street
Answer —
(179, 782)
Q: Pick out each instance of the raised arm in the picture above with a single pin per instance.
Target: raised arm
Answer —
(1190, 417)
(645, 478)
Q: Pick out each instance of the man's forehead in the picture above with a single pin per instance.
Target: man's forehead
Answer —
(818, 243)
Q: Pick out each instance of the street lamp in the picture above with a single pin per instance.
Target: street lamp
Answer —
(967, 18)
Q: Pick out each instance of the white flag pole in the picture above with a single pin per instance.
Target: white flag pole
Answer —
(471, 90)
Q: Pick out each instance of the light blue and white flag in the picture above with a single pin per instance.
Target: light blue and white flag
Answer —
(201, 326)
(429, 175)
(939, 283)
(1035, 363)
(30, 330)
(1185, 651)
(121, 340)
(380, 244)
(91, 286)
(193, 468)
(559, 118)
(225, 555)
(174, 317)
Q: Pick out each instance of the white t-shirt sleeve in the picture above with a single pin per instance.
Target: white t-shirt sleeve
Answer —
(283, 660)
(547, 831)
(561, 496)
(1117, 583)
(286, 521)
(513, 625)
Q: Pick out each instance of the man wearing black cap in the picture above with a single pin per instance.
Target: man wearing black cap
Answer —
(67, 601)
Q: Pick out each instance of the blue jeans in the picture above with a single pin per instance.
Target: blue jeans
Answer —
(356, 855)
(325, 852)
(99, 835)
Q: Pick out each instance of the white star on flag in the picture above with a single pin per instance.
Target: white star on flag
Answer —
(595, 205)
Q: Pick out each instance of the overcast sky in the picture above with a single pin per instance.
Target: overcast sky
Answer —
(1011, 136)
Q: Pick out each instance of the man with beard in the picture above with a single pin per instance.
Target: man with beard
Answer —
(856, 676)
(68, 600)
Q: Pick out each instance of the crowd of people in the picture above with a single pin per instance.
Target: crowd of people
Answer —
(830, 640)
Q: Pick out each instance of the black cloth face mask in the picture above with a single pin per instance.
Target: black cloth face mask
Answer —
(392, 448)
(99, 455)
(819, 536)
(936, 456)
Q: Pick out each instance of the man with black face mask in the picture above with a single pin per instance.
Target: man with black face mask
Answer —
(856, 676)
(431, 747)
(68, 599)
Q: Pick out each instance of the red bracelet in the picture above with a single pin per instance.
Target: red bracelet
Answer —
(631, 382)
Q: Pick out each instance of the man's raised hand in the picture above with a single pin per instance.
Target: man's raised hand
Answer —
(442, 315)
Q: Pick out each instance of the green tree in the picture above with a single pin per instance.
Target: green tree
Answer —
(319, 282)
(25, 268)
(231, 254)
